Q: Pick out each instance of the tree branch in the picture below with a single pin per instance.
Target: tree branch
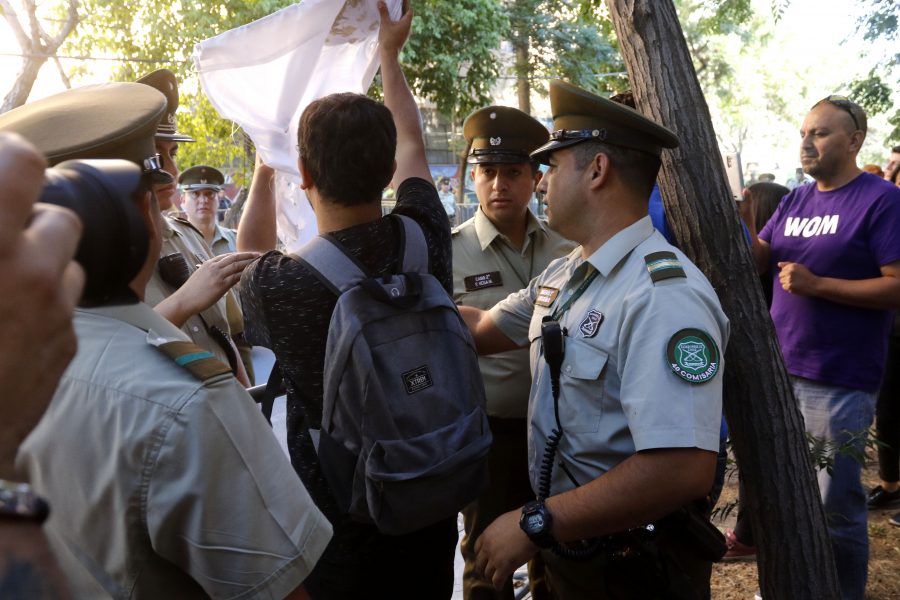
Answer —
(13, 19)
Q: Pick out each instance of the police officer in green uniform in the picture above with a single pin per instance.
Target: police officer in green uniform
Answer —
(495, 253)
(202, 186)
(626, 342)
(191, 287)
(152, 456)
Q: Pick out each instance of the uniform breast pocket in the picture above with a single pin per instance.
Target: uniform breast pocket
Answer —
(581, 387)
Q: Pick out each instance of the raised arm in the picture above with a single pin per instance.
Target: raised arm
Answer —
(257, 231)
(411, 161)
(489, 339)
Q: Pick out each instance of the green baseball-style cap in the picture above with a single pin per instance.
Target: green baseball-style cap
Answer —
(579, 115)
(201, 177)
(164, 81)
(109, 120)
(500, 134)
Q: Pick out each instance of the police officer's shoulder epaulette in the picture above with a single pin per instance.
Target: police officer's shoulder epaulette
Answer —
(187, 223)
(200, 363)
(461, 227)
(663, 265)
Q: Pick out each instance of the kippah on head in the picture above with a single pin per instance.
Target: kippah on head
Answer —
(164, 81)
(579, 115)
(201, 177)
(109, 120)
(500, 134)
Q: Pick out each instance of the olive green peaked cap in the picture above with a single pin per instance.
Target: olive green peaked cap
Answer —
(109, 120)
(201, 177)
(164, 81)
(500, 134)
(579, 115)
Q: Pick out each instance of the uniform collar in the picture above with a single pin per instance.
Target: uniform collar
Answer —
(219, 234)
(486, 232)
(620, 245)
(139, 315)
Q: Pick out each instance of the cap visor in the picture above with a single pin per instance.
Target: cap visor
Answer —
(175, 137)
(542, 154)
(499, 158)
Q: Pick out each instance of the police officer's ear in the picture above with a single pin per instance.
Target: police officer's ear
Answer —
(599, 169)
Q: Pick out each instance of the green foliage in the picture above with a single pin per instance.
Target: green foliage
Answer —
(566, 39)
(450, 58)
(881, 23)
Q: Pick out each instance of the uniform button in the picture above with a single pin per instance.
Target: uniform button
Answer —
(196, 329)
(568, 368)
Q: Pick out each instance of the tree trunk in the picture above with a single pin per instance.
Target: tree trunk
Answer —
(523, 86)
(782, 498)
(23, 84)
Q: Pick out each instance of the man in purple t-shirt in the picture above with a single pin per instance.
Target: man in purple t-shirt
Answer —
(834, 248)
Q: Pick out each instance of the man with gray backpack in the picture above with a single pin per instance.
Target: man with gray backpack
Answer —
(385, 410)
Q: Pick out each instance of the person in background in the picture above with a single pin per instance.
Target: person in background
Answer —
(797, 180)
(833, 250)
(202, 187)
(874, 170)
(448, 198)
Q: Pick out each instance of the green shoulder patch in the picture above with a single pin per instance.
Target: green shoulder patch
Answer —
(200, 363)
(663, 265)
(693, 355)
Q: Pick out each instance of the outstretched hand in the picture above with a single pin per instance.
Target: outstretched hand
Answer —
(392, 35)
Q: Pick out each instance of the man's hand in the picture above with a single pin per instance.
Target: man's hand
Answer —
(392, 35)
(797, 279)
(43, 285)
(205, 286)
(502, 548)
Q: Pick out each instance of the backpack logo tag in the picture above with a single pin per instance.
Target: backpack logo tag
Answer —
(417, 379)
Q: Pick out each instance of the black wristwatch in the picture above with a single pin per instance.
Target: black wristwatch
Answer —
(536, 521)
(18, 501)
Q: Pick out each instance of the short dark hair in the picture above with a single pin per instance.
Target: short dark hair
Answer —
(638, 169)
(896, 149)
(766, 197)
(347, 143)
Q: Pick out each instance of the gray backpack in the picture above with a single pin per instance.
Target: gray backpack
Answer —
(404, 436)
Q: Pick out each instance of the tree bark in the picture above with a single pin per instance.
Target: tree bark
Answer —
(523, 86)
(24, 82)
(782, 498)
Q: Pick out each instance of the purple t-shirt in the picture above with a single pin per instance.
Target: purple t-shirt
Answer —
(847, 233)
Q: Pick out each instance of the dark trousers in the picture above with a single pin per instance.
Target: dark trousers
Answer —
(510, 488)
(360, 562)
(887, 415)
(671, 572)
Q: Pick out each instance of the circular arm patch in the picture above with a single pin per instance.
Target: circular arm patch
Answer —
(693, 355)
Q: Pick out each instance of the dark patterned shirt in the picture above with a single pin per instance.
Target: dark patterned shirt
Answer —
(288, 310)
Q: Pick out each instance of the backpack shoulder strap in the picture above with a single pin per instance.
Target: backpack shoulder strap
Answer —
(330, 263)
(415, 248)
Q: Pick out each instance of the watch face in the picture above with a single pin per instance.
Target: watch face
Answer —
(535, 522)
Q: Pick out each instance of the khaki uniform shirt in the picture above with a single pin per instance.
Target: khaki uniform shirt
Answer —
(620, 392)
(163, 486)
(180, 236)
(486, 269)
(224, 241)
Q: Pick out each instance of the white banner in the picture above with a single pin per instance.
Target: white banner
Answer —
(263, 75)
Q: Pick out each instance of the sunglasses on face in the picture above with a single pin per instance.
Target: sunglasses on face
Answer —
(844, 103)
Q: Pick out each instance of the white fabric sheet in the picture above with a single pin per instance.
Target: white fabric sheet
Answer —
(263, 75)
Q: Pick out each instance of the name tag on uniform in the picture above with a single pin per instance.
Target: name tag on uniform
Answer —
(485, 280)
(546, 296)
